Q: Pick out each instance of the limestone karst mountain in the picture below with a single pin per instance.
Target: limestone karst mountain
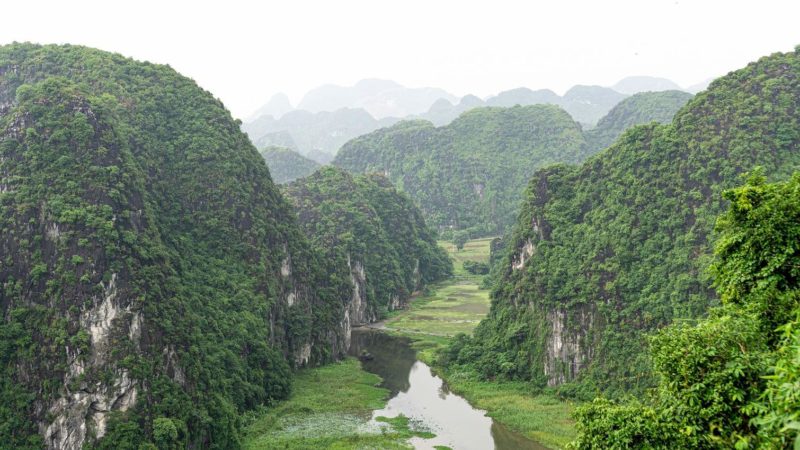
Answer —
(369, 232)
(315, 135)
(638, 109)
(277, 106)
(608, 250)
(466, 175)
(153, 276)
(380, 98)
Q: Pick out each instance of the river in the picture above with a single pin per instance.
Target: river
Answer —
(420, 395)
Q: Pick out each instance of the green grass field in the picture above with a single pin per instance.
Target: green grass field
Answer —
(331, 406)
(456, 306)
(543, 418)
(452, 307)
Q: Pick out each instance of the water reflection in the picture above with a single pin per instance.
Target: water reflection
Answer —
(390, 357)
(420, 395)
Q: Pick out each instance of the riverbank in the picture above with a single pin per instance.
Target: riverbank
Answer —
(330, 407)
(456, 306)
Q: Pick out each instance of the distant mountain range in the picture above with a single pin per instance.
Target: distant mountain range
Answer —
(586, 104)
(380, 98)
(330, 115)
(286, 165)
(277, 106)
(634, 85)
(467, 175)
(316, 135)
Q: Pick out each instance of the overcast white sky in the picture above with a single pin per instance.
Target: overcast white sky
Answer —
(244, 52)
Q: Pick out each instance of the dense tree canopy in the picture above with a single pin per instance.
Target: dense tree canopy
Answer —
(730, 380)
(468, 175)
(363, 220)
(143, 245)
(635, 110)
(604, 252)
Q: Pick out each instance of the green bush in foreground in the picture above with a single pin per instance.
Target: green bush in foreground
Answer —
(731, 380)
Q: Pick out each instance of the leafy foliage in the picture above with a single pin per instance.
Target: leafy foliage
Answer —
(364, 221)
(141, 238)
(758, 256)
(607, 251)
(638, 109)
(476, 267)
(467, 175)
(712, 390)
(779, 405)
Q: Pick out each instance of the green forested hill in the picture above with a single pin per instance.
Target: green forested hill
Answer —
(638, 109)
(154, 281)
(608, 250)
(468, 175)
(367, 231)
(286, 165)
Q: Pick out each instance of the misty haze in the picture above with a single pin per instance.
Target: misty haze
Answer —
(417, 225)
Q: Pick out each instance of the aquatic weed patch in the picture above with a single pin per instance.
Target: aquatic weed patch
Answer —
(331, 407)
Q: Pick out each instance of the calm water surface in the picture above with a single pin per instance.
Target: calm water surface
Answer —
(420, 395)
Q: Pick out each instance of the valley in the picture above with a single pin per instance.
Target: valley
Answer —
(402, 351)
(386, 265)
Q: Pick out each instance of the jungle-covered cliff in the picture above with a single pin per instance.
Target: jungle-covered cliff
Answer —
(468, 175)
(605, 252)
(155, 283)
(372, 234)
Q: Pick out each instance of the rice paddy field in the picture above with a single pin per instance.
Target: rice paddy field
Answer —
(452, 307)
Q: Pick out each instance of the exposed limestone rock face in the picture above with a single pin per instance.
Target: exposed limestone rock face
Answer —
(347, 328)
(286, 267)
(87, 409)
(396, 302)
(524, 254)
(416, 276)
(358, 311)
(101, 317)
(171, 366)
(566, 335)
(296, 298)
(303, 356)
(84, 406)
(567, 347)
